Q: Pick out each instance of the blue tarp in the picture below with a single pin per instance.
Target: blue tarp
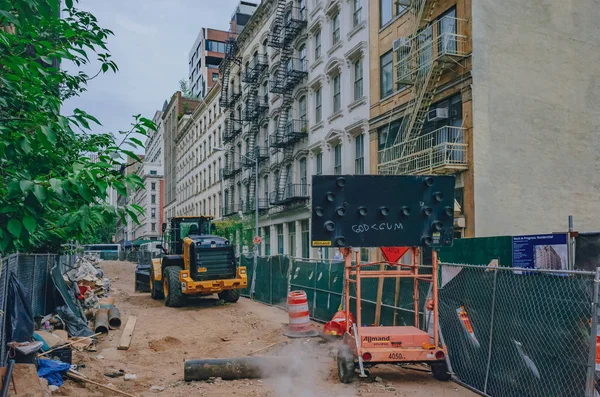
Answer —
(52, 370)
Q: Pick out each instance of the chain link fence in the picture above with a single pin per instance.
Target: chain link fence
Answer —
(520, 332)
(323, 283)
(33, 271)
(509, 332)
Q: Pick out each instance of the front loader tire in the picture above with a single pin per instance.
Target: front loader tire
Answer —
(345, 364)
(174, 296)
(230, 295)
(440, 371)
(155, 291)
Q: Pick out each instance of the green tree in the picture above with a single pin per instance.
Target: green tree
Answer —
(51, 192)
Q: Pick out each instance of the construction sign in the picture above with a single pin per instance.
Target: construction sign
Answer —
(393, 254)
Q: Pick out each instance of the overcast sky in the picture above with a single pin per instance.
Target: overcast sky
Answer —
(151, 45)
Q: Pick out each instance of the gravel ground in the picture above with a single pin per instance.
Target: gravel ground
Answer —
(165, 337)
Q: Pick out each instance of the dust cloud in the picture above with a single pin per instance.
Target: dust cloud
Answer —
(309, 372)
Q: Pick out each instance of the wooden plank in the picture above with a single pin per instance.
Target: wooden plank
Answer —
(77, 376)
(125, 340)
(379, 295)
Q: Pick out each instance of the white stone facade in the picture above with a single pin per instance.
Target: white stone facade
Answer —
(149, 198)
(328, 109)
(199, 164)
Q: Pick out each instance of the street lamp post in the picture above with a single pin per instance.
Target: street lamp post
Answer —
(256, 235)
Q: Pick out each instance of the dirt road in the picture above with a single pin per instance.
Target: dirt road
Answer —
(165, 337)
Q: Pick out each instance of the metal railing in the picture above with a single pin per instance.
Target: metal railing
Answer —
(436, 151)
(443, 39)
(291, 192)
(289, 76)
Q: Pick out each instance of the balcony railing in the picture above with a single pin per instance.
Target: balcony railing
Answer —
(294, 131)
(441, 151)
(260, 153)
(230, 170)
(290, 193)
(289, 76)
(293, 22)
(444, 40)
(250, 206)
(233, 128)
(232, 209)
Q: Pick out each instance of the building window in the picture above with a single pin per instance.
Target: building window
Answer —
(337, 98)
(357, 16)
(400, 8)
(318, 105)
(303, 61)
(318, 44)
(386, 74)
(280, 239)
(153, 226)
(153, 185)
(209, 206)
(335, 29)
(359, 153)
(153, 172)
(215, 77)
(303, 178)
(337, 152)
(292, 238)
(305, 239)
(215, 46)
(209, 175)
(302, 108)
(153, 199)
(358, 79)
(266, 188)
(385, 11)
(153, 212)
(320, 163)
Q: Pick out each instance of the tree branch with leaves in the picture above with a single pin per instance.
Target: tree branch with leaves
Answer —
(51, 192)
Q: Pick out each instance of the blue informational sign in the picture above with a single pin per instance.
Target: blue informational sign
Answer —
(541, 251)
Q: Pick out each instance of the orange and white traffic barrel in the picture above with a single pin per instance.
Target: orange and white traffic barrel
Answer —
(299, 316)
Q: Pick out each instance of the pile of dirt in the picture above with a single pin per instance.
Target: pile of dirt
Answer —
(164, 343)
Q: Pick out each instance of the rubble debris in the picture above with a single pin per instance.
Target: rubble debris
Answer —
(157, 389)
(115, 374)
(130, 376)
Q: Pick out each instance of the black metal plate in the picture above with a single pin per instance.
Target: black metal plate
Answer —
(382, 210)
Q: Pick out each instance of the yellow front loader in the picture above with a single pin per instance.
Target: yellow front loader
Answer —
(196, 262)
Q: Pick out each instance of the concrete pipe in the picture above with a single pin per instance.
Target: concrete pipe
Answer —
(101, 321)
(236, 368)
(114, 318)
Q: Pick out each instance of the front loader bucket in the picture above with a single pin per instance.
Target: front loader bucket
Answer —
(142, 278)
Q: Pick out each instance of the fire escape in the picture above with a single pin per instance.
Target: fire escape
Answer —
(288, 24)
(256, 109)
(421, 60)
(230, 96)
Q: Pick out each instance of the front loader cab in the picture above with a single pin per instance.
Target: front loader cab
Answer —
(187, 226)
